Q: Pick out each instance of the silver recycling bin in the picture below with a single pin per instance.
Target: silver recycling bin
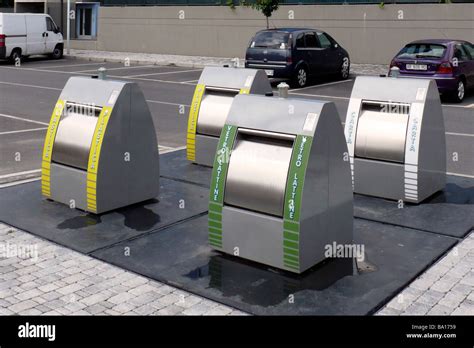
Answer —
(280, 188)
(396, 138)
(100, 152)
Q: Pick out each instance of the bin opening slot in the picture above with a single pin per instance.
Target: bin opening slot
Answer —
(381, 131)
(258, 171)
(81, 110)
(74, 135)
(215, 106)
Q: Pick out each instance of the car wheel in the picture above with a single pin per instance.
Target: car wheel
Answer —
(57, 53)
(460, 92)
(345, 69)
(15, 56)
(300, 78)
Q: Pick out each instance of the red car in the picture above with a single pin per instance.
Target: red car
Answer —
(449, 62)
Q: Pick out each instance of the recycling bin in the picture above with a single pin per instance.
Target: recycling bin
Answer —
(396, 139)
(100, 151)
(211, 103)
(280, 189)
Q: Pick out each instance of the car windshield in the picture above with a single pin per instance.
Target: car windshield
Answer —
(271, 39)
(422, 50)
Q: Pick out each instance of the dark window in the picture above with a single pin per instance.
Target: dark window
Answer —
(310, 40)
(324, 40)
(422, 51)
(459, 53)
(271, 39)
(470, 49)
(300, 40)
(50, 25)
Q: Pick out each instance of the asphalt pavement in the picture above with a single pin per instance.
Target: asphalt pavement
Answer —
(29, 92)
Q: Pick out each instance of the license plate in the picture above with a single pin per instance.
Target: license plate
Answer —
(417, 66)
(269, 72)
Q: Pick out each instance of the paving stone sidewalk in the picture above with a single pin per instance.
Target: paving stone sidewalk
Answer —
(193, 61)
(446, 288)
(63, 282)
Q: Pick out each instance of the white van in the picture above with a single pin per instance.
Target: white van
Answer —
(26, 34)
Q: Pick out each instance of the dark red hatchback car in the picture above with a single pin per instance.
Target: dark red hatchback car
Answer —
(449, 62)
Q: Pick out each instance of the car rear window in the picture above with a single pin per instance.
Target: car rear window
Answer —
(271, 39)
(422, 50)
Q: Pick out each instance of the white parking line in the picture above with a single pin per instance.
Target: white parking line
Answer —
(72, 65)
(164, 73)
(32, 86)
(19, 182)
(460, 134)
(20, 173)
(167, 103)
(23, 130)
(121, 68)
(319, 96)
(322, 85)
(85, 74)
(23, 119)
(463, 175)
(190, 81)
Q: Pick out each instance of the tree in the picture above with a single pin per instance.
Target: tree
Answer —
(267, 7)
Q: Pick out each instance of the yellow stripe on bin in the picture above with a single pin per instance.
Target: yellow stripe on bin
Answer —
(48, 146)
(192, 122)
(94, 157)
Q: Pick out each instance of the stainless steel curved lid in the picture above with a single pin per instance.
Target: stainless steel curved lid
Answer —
(213, 112)
(73, 140)
(257, 174)
(381, 135)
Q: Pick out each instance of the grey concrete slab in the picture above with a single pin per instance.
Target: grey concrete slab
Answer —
(174, 165)
(180, 256)
(450, 212)
(21, 151)
(23, 207)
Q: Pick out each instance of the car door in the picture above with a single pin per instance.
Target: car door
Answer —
(53, 36)
(35, 34)
(331, 60)
(469, 48)
(315, 57)
(461, 61)
(299, 53)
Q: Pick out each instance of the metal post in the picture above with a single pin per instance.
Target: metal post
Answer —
(102, 73)
(68, 26)
(395, 71)
(283, 90)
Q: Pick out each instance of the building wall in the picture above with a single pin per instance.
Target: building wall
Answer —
(369, 33)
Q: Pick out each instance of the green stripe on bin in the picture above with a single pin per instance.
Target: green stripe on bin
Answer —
(288, 235)
(218, 177)
(293, 200)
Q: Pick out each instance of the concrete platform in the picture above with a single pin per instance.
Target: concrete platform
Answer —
(179, 256)
(22, 206)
